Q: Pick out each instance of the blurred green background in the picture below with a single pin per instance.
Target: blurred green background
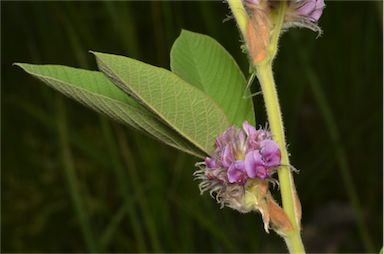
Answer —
(73, 181)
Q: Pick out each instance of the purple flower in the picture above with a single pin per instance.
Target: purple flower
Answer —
(251, 1)
(311, 9)
(270, 153)
(241, 154)
(211, 163)
(227, 157)
(254, 165)
(236, 173)
(228, 137)
(249, 130)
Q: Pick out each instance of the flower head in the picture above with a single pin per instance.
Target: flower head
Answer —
(241, 158)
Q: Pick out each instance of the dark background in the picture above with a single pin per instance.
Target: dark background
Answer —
(73, 181)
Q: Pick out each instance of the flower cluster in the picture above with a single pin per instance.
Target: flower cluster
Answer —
(241, 155)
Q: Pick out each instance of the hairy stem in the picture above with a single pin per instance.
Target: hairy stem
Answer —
(291, 203)
(278, 25)
(240, 14)
(287, 186)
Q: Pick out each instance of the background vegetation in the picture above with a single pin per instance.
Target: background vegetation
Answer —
(73, 181)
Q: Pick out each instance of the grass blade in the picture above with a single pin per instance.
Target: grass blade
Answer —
(73, 186)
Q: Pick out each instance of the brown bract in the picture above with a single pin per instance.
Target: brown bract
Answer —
(258, 195)
(258, 33)
(279, 219)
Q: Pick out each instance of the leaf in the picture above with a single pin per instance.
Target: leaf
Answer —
(204, 63)
(181, 106)
(94, 90)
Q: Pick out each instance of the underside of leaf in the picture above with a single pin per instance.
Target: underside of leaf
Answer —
(94, 90)
(186, 109)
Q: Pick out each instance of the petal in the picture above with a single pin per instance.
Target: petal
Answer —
(229, 135)
(236, 172)
(262, 173)
(262, 134)
(227, 157)
(252, 1)
(320, 4)
(241, 140)
(226, 138)
(253, 164)
(240, 165)
(270, 153)
(252, 136)
(315, 16)
(307, 8)
(210, 163)
(311, 9)
(219, 143)
(249, 129)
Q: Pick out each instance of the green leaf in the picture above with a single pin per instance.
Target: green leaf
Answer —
(204, 63)
(181, 106)
(94, 90)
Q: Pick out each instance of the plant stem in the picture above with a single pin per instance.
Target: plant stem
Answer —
(279, 20)
(287, 187)
(240, 14)
(265, 75)
(289, 197)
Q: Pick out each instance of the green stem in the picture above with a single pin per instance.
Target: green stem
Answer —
(287, 187)
(268, 87)
(267, 83)
(240, 14)
(294, 243)
(279, 21)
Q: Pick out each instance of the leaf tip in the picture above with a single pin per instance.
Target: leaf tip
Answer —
(17, 64)
(92, 52)
(184, 31)
(96, 54)
(23, 66)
